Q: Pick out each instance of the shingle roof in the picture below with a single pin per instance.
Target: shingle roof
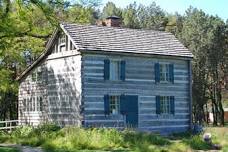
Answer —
(89, 37)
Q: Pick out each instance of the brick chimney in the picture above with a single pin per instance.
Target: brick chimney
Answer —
(113, 21)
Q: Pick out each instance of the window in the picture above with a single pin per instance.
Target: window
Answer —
(62, 39)
(39, 104)
(164, 72)
(34, 76)
(114, 104)
(37, 75)
(115, 70)
(165, 105)
(33, 104)
(29, 104)
(24, 105)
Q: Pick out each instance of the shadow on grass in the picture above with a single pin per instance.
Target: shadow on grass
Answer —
(193, 141)
(8, 149)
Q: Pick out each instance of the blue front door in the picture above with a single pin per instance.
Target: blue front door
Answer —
(129, 106)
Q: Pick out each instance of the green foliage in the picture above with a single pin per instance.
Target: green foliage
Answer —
(25, 26)
(70, 139)
(7, 149)
(138, 16)
(204, 36)
(196, 142)
(81, 15)
(130, 16)
(110, 9)
(24, 131)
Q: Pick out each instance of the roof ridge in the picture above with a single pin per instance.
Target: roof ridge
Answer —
(124, 28)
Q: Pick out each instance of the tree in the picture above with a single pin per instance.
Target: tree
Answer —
(110, 9)
(147, 17)
(130, 18)
(204, 35)
(25, 26)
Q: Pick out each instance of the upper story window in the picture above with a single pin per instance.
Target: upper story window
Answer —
(114, 70)
(165, 105)
(37, 75)
(62, 39)
(62, 43)
(164, 72)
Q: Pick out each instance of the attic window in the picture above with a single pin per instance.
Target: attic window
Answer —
(62, 39)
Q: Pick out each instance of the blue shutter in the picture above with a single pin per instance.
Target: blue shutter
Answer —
(172, 105)
(106, 105)
(158, 107)
(157, 72)
(122, 70)
(106, 69)
(123, 106)
(171, 73)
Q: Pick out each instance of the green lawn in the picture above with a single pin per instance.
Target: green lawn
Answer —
(72, 139)
(7, 149)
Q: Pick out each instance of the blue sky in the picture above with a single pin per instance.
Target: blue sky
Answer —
(212, 7)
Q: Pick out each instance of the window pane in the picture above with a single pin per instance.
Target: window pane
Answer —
(165, 104)
(33, 104)
(164, 72)
(114, 70)
(30, 104)
(114, 104)
(24, 105)
(34, 76)
(39, 76)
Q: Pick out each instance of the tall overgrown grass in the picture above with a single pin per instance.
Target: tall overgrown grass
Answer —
(69, 139)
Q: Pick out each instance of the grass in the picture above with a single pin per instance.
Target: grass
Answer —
(72, 139)
(8, 149)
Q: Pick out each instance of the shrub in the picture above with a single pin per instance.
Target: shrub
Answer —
(47, 127)
(22, 131)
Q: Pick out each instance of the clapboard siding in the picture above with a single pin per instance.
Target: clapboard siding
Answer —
(139, 81)
(29, 89)
(61, 91)
(64, 90)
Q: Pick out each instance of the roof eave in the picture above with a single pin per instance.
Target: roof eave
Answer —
(86, 50)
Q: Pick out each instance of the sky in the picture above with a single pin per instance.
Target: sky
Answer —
(212, 7)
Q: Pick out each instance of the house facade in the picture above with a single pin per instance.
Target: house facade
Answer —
(102, 76)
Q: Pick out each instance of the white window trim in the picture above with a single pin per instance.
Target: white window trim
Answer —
(30, 105)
